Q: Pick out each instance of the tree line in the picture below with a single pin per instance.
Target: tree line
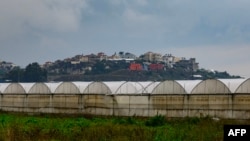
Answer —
(31, 73)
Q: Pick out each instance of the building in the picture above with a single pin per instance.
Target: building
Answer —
(155, 67)
(152, 57)
(92, 58)
(169, 60)
(127, 55)
(102, 56)
(121, 56)
(114, 57)
(190, 64)
(135, 67)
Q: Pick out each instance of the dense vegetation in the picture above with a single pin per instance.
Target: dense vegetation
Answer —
(119, 71)
(127, 75)
(104, 71)
(57, 127)
(32, 73)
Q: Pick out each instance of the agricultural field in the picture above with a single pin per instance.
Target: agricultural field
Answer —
(16, 126)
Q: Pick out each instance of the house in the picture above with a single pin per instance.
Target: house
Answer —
(152, 57)
(127, 55)
(135, 67)
(102, 56)
(190, 64)
(156, 67)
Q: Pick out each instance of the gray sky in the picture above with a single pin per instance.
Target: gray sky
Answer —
(216, 33)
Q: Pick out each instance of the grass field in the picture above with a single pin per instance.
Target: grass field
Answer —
(20, 127)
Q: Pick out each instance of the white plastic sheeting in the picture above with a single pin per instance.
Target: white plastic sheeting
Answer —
(67, 88)
(232, 84)
(114, 85)
(169, 87)
(145, 84)
(97, 88)
(27, 86)
(150, 87)
(130, 88)
(244, 87)
(209, 86)
(53, 86)
(188, 85)
(39, 88)
(3, 86)
(14, 88)
(81, 85)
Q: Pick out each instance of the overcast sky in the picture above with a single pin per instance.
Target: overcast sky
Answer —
(216, 33)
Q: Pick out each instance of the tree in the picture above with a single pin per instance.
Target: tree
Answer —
(34, 73)
(15, 75)
(99, 67)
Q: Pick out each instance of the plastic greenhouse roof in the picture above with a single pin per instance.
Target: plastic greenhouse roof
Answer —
(3, 86)
(67, 88)
(97, 88)
(53, 86)
(188, 85)
(39, 88)
(81, 85)
(244, 87)
(232, 84)
(169, 87)
(130, 88)
(114, 85)
(211, 86)
(150, 87)
(27, 86)
(14, 88)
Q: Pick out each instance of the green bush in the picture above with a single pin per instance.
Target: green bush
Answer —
(157, 120)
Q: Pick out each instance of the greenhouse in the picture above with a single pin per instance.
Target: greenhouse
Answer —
(188, 85)
(81, 85)
(244, 87)
(130, 88)
(39, 88)
(97, 88)
(12, 88)
(209, 86)
(114, 85)
(3, 86)
(168, 87)
(52, 86)
(232, 84)
(225, 98)
(150, 87)
(67, 88)
(27, 86)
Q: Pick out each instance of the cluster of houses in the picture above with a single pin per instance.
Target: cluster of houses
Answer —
(146, 61)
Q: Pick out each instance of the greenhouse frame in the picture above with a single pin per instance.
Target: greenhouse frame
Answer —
(209, 86)
(224, 98)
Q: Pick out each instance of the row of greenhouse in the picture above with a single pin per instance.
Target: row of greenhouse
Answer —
(209, 86)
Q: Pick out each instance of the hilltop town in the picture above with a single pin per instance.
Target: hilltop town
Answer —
(121, 66)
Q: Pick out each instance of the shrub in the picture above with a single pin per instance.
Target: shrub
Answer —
(157, 120)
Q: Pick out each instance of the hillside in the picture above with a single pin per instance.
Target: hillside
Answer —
(118, 67)
(127, 75)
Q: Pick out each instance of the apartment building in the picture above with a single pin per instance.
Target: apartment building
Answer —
(152, 57)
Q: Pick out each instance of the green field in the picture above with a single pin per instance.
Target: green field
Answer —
(20, 127)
